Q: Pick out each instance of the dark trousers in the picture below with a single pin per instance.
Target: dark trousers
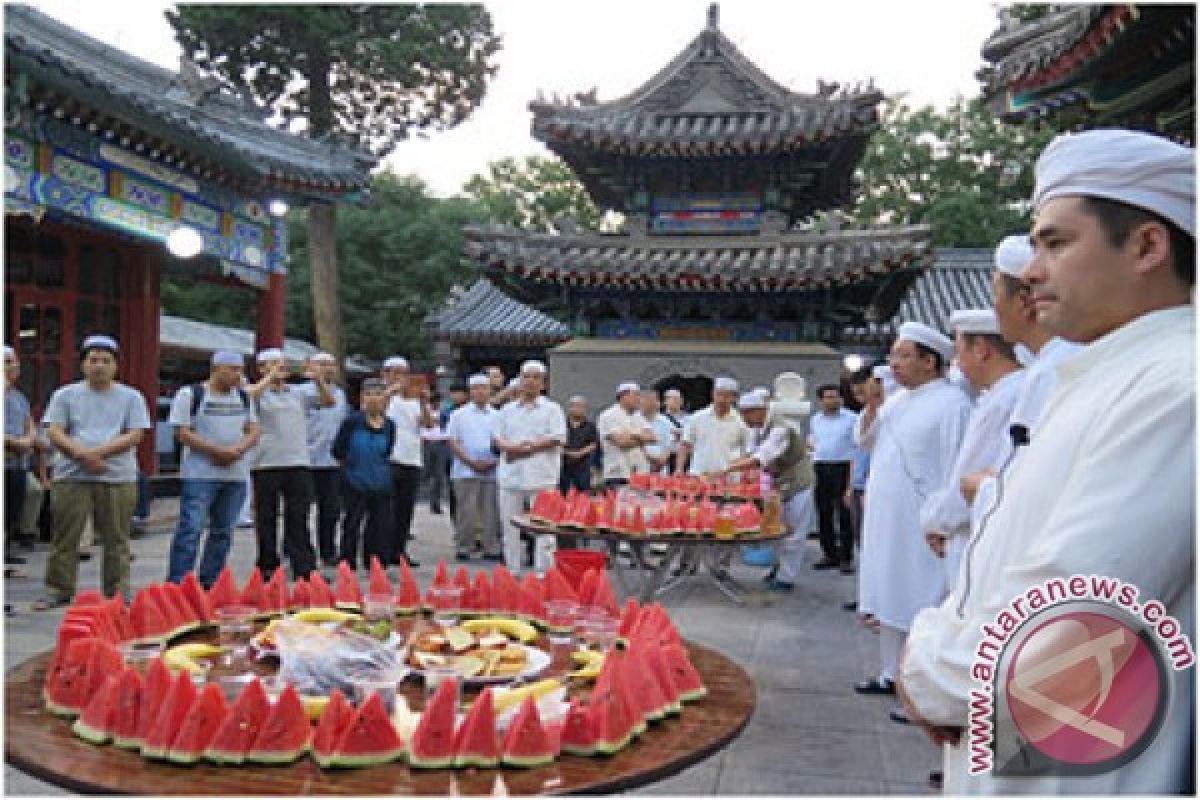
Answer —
(369, 515)
(832, 479)
(437, 472)
(577, 477)
(327, 487)
(856, 513)
(405, 480)
(14, 502)
(292, 485)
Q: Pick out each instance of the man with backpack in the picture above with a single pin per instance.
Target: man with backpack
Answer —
(217, 424)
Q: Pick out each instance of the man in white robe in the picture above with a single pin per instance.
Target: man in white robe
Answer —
(883, 391)
(1106, 485)
(912, 451)
(990, 366)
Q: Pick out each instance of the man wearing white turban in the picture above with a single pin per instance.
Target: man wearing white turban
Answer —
(1106, 485)
(912, 450)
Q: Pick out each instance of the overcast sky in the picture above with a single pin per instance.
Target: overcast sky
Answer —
(928, 49)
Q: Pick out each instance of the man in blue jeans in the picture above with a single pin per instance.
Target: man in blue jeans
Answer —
(216, 423)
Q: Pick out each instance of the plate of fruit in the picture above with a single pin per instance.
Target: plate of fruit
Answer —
(482, 651)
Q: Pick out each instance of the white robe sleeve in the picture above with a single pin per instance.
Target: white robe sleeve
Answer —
(946, 510)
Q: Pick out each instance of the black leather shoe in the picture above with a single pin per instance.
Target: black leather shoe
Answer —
(850, 606)
(875, 686)
(769, 578)
(780, 586)
(936, 780)
(462, 556)
(493, 556)
(899, 717)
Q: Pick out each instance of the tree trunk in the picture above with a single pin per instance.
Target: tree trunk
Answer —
(327, 310)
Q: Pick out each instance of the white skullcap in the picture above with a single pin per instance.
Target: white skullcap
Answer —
(101, 341)
(1138, 169)
(627, 386)
(478, 380)
(923, 334)
(762, 390)
(724, 384)
(9, 352)
(1013, 255)
(227, 358)
(751, 400)
(673, 393)
(974, 320)
(533, 365)
(577, 398)
(270, 354)
(323, 358)
(395, 362)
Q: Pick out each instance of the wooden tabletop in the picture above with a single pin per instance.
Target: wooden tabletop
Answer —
(44, 746)
(526, 524)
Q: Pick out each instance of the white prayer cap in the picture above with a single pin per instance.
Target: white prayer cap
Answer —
(1138, 169)
(227, 358)
(9, 352)
(673, 393)
(1013, 254)
(724, 384)
(763, 391)
(534, 366)
(101, 341)
(395, 362)
(270, 354)
(751, 400)
(923, 334)
(627, 386)
(323, 358)
(478, 380)
(577, 398)
(974, 320)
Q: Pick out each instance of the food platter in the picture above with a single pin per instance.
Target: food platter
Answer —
(536, 662)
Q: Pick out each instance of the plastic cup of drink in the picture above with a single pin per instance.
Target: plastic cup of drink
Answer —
(447, 604)
(379, 607)
(601, 631)
(437, 675)
(386, 689)
(583, 618)
(139, 654)
(560, 616)
(235, 626)
(232, 685)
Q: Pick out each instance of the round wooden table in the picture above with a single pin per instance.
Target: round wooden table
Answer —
(43, 745)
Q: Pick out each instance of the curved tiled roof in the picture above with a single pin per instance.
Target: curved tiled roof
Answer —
(148, 97)
(485, 315)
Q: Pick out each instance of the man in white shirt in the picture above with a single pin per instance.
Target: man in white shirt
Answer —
(624, 434)
(530, 432)
(832, 434)
(408, 410)
(658, 452)
(473, 472)
(1105, 486)
(714, 435)
(323, 425)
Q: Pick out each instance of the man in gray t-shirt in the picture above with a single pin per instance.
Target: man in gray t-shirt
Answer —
(324, 422)
(217, 424)
(96, 424)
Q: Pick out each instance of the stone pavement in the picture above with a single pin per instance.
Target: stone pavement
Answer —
(810, 733)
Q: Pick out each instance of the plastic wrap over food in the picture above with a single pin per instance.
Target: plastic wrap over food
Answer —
(316, 659)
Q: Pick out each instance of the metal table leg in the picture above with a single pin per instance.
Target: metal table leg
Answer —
(652, 577)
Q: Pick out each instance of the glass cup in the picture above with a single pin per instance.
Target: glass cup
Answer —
(560, 617)
(232, 685)
(379, 608)
(235, 626)
(139, 654)
(584, 615)
(436, 676)
(447, 604)
(600, 631)
(364, 688)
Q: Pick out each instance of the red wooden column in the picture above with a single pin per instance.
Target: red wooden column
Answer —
(271, 312)
(140, 345)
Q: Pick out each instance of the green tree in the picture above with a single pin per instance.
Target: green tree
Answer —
(362, 73)
(195, 299)
(961, 170)
(400, 257)
(535, 194)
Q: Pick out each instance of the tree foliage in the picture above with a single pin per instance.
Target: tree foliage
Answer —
(399, 257)
(367, 73)
(961, 170)
(536, 194)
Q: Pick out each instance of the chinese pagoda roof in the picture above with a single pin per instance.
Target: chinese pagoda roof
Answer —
(485, 315)
(710, 100)
(1097, 64)
(103, 88)
(783, 262)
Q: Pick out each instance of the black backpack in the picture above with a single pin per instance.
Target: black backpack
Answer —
(198, 390)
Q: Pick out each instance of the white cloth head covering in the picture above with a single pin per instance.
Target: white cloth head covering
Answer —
(725, 384)
(478, 380)
(577, 398)
(974, 320)
(227, 358)
(323, 358)
(1013, 254)
(751, 400)
(883, 373)
(764, 391)
(923, 334)
(627, 386)
(673, 393)
(395, 362)
(1138, 169)
(9, 352)
(533, 365)
(790, 392)
(101, 341)
(270, 354)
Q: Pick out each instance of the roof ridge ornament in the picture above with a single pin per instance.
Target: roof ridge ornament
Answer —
(714, 16)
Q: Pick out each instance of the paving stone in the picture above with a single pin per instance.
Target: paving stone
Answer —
(763, 781)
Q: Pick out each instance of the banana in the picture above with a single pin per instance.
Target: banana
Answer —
(517, 629)
(591, 661)
(314, 704)
(318, 615)
(183, 656)
(507, 698)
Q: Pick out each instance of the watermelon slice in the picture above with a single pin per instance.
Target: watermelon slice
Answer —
(252, 593)
(613, 721)
(556, 587)
(587, 587)
(158, 682)
(603, 595)
(319, 593)
(88, 597)
(526, 743)
(441, 574)
(653, 656)
(224, 591)
(505, 591)
(685, 677)
(98, 719)
(275, 593)
(129, 704)
(371, 738)
(432, 744)
(285, 734)
(475, 744)
(239, 730)
(479, 598)
(347, 593)
(612, 680)
(335, 719)
(169, 718)
(378, 582)
(172, 599)
(629, 617)
(578, 735)
(200, 725)
(197, 598)
(96, 619)
(643, 686)
(408, 592)
(532, 606)
(301, 595)
(85, 665)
